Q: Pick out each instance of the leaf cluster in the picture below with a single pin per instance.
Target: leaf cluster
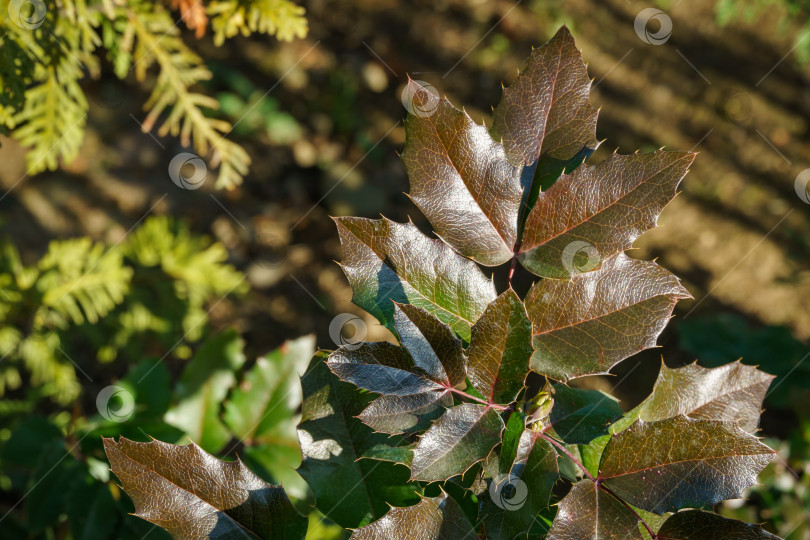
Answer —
(473, 425)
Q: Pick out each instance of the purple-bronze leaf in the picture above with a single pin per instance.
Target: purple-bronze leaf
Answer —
(730, 393)
(500, 348)
(680, 462)
(436, 518)
(462, 437)
(386, 261)
(590, 512)
(698, 525)
(546, 111)
(462, 181)
(599, 211)
(588, 324)
(192, 494)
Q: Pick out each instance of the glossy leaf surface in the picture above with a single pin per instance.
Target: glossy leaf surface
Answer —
(590, 512)
(579, 416)
(437, 518)
(697, 525)
(679, 463)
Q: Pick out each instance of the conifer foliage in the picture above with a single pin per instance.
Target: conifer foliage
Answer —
(440, 436)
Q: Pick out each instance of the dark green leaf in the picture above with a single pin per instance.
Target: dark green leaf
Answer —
(589, 512)
(348, 491)
(219, 500)
(518, 493)
(579, 416)
(697, 525)
(90, 510)
(462, 437)
(56, 473)
(437, 518)
(546, 111)
(588, 324)
(432, 345)
(261, 407)
(500, 349)
(679, 462)
(385, 261)
(462, 181)
(730, 393)
(395, 454)
(203, 386)
(598, 211)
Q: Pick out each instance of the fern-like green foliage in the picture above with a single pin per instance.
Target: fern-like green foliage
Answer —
(48, 46)
(147, 294)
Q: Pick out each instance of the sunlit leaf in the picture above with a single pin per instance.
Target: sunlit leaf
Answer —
(601, 209)
(590, 512)
(730, 393)
(437, 518)
(588, 324)
(462, 181)
(221, 499)
(462, 437)
(386, 261)
(500, 349)
(679, 462)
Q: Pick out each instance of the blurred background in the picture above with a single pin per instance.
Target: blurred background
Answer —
(321, 118)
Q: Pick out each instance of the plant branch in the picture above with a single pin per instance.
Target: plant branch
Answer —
(571, 456)
(479, 400)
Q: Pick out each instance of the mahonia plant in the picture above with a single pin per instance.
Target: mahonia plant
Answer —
(440, 436)
(48, 46)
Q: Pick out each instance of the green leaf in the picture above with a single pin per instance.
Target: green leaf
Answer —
(590, 512)
(679, 462)
(697, 525)
(599, 211)
(436, 518)
(56, 473)
(462, 181)
(462, 437)
(432, 345)
(221, 499)
(500, 349)
(385, 261)
(395, 454)
(587, 325)
(90, 509)
(276, 463)
(730, 393)
(518, 494)
(203, 386)
(546, 111)
(261, 408)
(348, 491)
(579, 416)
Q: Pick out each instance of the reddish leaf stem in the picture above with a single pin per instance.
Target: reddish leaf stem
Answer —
(598, 483)
(479, 400)
(512, 268)
(571, 456)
